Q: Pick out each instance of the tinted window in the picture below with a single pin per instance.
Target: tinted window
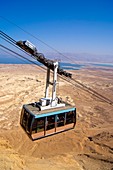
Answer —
(25, 117)
(50, 122)
(40, 124)
(61, 119)
(34, 126)
(70, 117)
(30, 117)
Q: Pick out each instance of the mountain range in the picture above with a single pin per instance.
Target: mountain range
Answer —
(81, 57)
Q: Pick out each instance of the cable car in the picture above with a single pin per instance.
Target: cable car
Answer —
(38, 124)
(50, 115)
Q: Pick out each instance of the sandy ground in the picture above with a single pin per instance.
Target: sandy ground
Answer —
(87, 147)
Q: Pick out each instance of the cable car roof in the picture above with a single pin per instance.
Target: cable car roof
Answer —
(38, 114)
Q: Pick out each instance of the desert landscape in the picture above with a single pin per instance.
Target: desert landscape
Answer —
(87, 147)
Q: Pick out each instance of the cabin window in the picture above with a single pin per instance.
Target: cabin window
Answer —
(34, 126)
(60, 119)
(50, 124)
(38, 125)
(25, 117)
(70, 117)
(30, 117)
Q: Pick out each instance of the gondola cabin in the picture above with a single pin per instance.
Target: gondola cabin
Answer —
(38, 124)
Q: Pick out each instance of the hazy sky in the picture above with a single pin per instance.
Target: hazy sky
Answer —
(67, 25)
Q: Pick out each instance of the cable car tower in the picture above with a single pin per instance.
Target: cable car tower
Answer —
(50, 115)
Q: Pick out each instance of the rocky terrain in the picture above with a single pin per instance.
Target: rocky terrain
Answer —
(87, 147)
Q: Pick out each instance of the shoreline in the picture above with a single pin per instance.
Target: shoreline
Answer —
(71, 66)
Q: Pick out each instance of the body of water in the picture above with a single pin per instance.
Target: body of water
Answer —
(102, 64)
(70, 66)
(65, 66)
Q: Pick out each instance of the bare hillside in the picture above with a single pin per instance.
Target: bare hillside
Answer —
(87, 147)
